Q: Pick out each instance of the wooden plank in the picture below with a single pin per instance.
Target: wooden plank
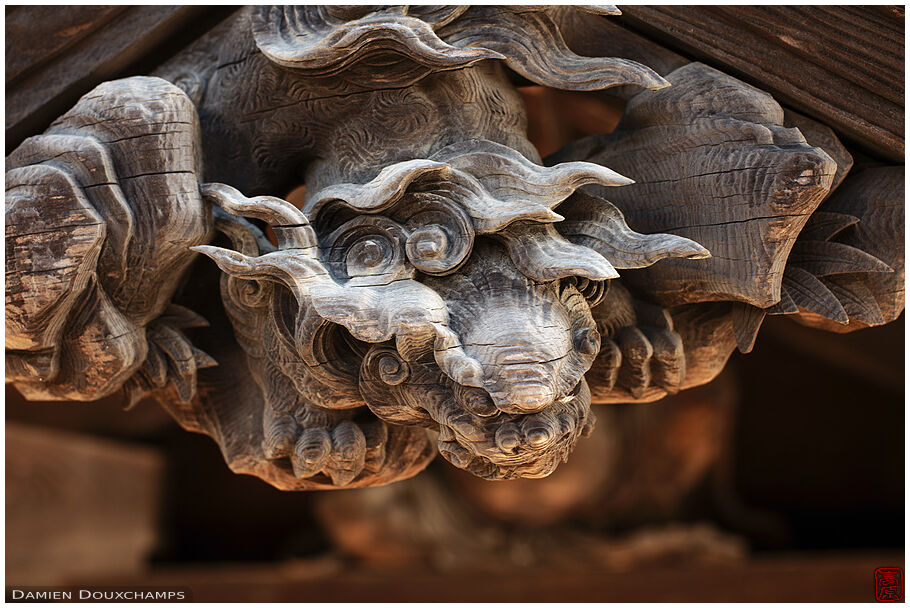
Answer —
(39, 33)
(833, 578)
(842, 65)
(55, 54)
(77, 506)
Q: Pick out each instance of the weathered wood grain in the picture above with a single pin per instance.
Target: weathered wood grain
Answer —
(712, 162)
(855, 268)
(100, 212)
(55, 54)
(489, 350)
(437, 287)
(37, 35)
(842, 65)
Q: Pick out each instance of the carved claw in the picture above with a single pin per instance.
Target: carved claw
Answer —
(641, 355)
(349, 448)
(342, 452)
(668, 363)
(635, 372)
(311, 452)
(280, 437)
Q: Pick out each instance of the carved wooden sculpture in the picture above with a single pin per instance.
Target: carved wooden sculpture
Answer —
(441, 288)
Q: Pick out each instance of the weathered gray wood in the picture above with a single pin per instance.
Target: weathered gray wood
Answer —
(102, 208)
(437, 288)
(506, 401)
(712, 162)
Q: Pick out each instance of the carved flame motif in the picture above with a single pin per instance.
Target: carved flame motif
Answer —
(478, 327)
(409, 42)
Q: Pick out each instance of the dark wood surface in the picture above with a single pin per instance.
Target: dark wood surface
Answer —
(813, 578)
(77, 505)
(842, 65)
(56, 54)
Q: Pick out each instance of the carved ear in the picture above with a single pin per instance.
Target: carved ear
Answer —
(712, 163)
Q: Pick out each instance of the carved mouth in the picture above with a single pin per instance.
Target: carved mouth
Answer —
(509, 446)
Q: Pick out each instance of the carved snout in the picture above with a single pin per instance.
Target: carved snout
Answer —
(531, 397)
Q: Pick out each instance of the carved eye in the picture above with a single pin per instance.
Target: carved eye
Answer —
(427, 243)
(366, 254)
(442, 235)
(365, 246)
(587, 340)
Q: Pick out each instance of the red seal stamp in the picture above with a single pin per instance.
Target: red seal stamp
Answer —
(889, 584)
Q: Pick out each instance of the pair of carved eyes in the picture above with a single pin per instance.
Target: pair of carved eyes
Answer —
(435, 240)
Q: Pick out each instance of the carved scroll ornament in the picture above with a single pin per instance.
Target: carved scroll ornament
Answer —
(441, 289)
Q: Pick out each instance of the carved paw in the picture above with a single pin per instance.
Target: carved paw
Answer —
(341, 450)
(641, 361)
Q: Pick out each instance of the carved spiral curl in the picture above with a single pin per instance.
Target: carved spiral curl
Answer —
(441, 237)
(366, 247)
(383, 382)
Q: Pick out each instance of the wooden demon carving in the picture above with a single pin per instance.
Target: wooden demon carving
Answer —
(441, 288)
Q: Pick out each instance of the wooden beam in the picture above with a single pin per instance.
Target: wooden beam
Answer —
(55, 54)
(842, 65)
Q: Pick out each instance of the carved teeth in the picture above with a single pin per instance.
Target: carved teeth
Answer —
(508, 437)
(456, 454)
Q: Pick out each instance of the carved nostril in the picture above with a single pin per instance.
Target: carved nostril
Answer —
(587, 341)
